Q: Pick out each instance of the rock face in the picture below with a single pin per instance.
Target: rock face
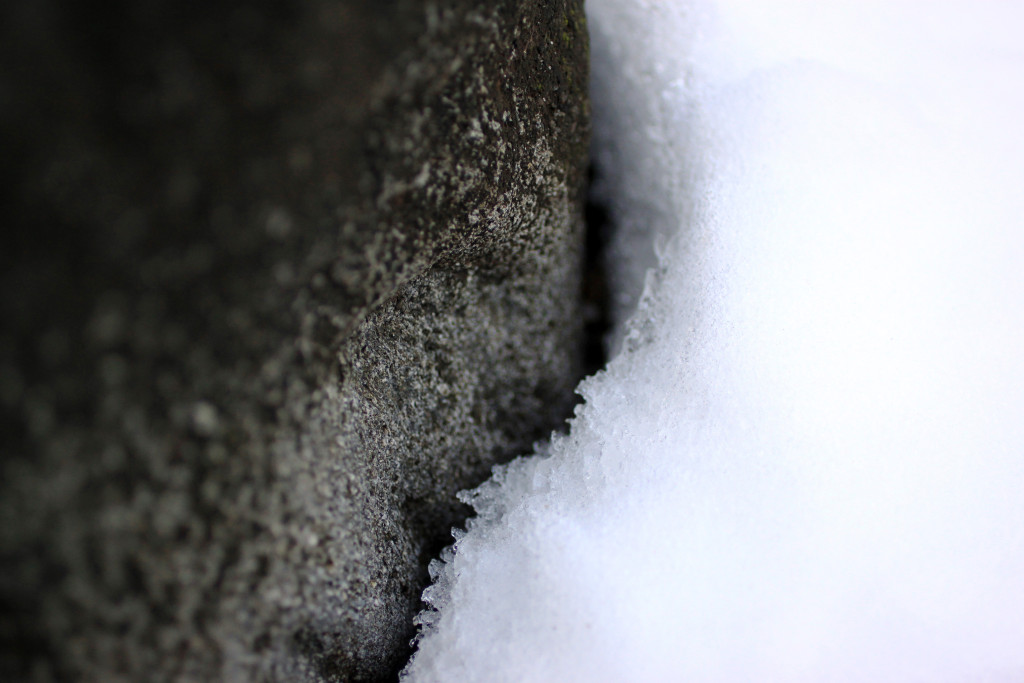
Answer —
(278, 279)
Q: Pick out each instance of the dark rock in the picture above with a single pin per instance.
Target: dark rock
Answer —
(278, 279)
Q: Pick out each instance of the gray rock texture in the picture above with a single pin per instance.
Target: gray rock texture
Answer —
(277, 279)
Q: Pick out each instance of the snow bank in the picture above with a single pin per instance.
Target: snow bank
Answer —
(806, 461)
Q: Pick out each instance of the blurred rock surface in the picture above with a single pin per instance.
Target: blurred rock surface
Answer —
(277, 279)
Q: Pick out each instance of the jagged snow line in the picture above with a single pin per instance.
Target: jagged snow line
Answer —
(806, 461)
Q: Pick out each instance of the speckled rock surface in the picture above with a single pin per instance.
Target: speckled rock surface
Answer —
(278, 279)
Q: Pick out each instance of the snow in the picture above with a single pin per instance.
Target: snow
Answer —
(805, 461)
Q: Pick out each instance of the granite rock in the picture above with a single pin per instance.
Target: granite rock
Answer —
(277, 279)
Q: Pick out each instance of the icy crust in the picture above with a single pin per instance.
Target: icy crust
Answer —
(805, 462)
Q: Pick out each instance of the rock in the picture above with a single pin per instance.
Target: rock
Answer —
(278, 279)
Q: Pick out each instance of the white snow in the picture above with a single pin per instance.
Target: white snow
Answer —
(806, 460)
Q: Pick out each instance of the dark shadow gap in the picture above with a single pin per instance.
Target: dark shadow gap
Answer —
(595, 292)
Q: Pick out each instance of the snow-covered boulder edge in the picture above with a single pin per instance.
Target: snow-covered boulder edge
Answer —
(805, 462)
